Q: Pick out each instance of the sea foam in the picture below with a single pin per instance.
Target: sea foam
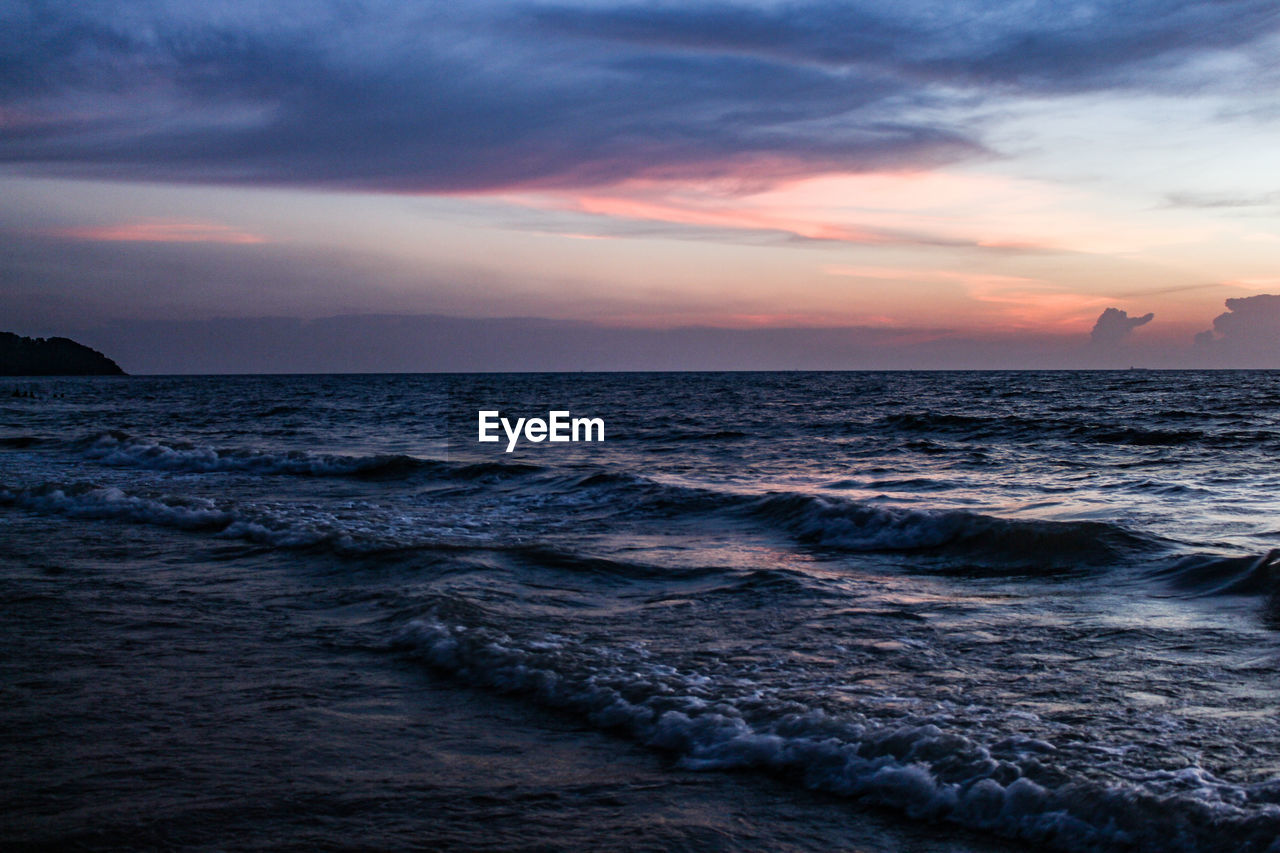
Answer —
(920, 769)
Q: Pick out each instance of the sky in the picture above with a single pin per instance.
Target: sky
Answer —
(528, 184)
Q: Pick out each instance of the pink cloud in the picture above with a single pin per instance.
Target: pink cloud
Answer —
(882, 208)
(162, 231)
(716, 214)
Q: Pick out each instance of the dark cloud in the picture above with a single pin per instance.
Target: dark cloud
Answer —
(1041, 46)
(433, 103)
(1248, 332)
(468, 97)
(1114, 326)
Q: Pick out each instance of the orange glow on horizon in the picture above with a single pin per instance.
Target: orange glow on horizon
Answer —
(740, 320)
(1021, 302)
(163, 231)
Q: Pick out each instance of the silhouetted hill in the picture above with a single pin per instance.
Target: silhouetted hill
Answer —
(21, 356)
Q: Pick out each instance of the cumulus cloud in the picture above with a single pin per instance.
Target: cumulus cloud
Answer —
(1114, 326)
(486, 95)
(1249, 327)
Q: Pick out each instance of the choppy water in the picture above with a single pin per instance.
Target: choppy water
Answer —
(770, 611)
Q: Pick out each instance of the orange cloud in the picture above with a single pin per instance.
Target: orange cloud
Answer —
(160, 231)
(885, 208)
(711, 212)
(1021, 302)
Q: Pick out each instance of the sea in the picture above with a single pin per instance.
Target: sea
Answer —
(866, 611)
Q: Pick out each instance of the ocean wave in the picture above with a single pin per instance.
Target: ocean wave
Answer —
(848, 525)
(280, 528)
(1009, 426)
(121, 450)
(1143, 437)
(946, 422)
(708, 435)
(347, 528)
(838, 523)
(916, 767)
(500, 470)
(359, 531)
(1152, 437)
(86, 500)
(1206, 575)
(823, 521)
(562, 560)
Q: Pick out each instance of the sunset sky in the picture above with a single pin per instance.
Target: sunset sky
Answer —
(944, 183)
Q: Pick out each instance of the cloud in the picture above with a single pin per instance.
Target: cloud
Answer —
(1249, 329)
(153, 231)
(1114, 326)
(1035, 46)
(477, 97)
(1206, 201)
(424, 101)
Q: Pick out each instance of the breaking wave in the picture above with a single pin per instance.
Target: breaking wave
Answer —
(1202, 575)
(818, 521)
(821, 521)
(920, 769)
(99, 502)
(292, 528)
(843, 524)
(118, 449)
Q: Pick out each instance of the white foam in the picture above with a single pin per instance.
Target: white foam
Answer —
(111, 502)
(112, 449)
(896, 766)
(352, 527)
